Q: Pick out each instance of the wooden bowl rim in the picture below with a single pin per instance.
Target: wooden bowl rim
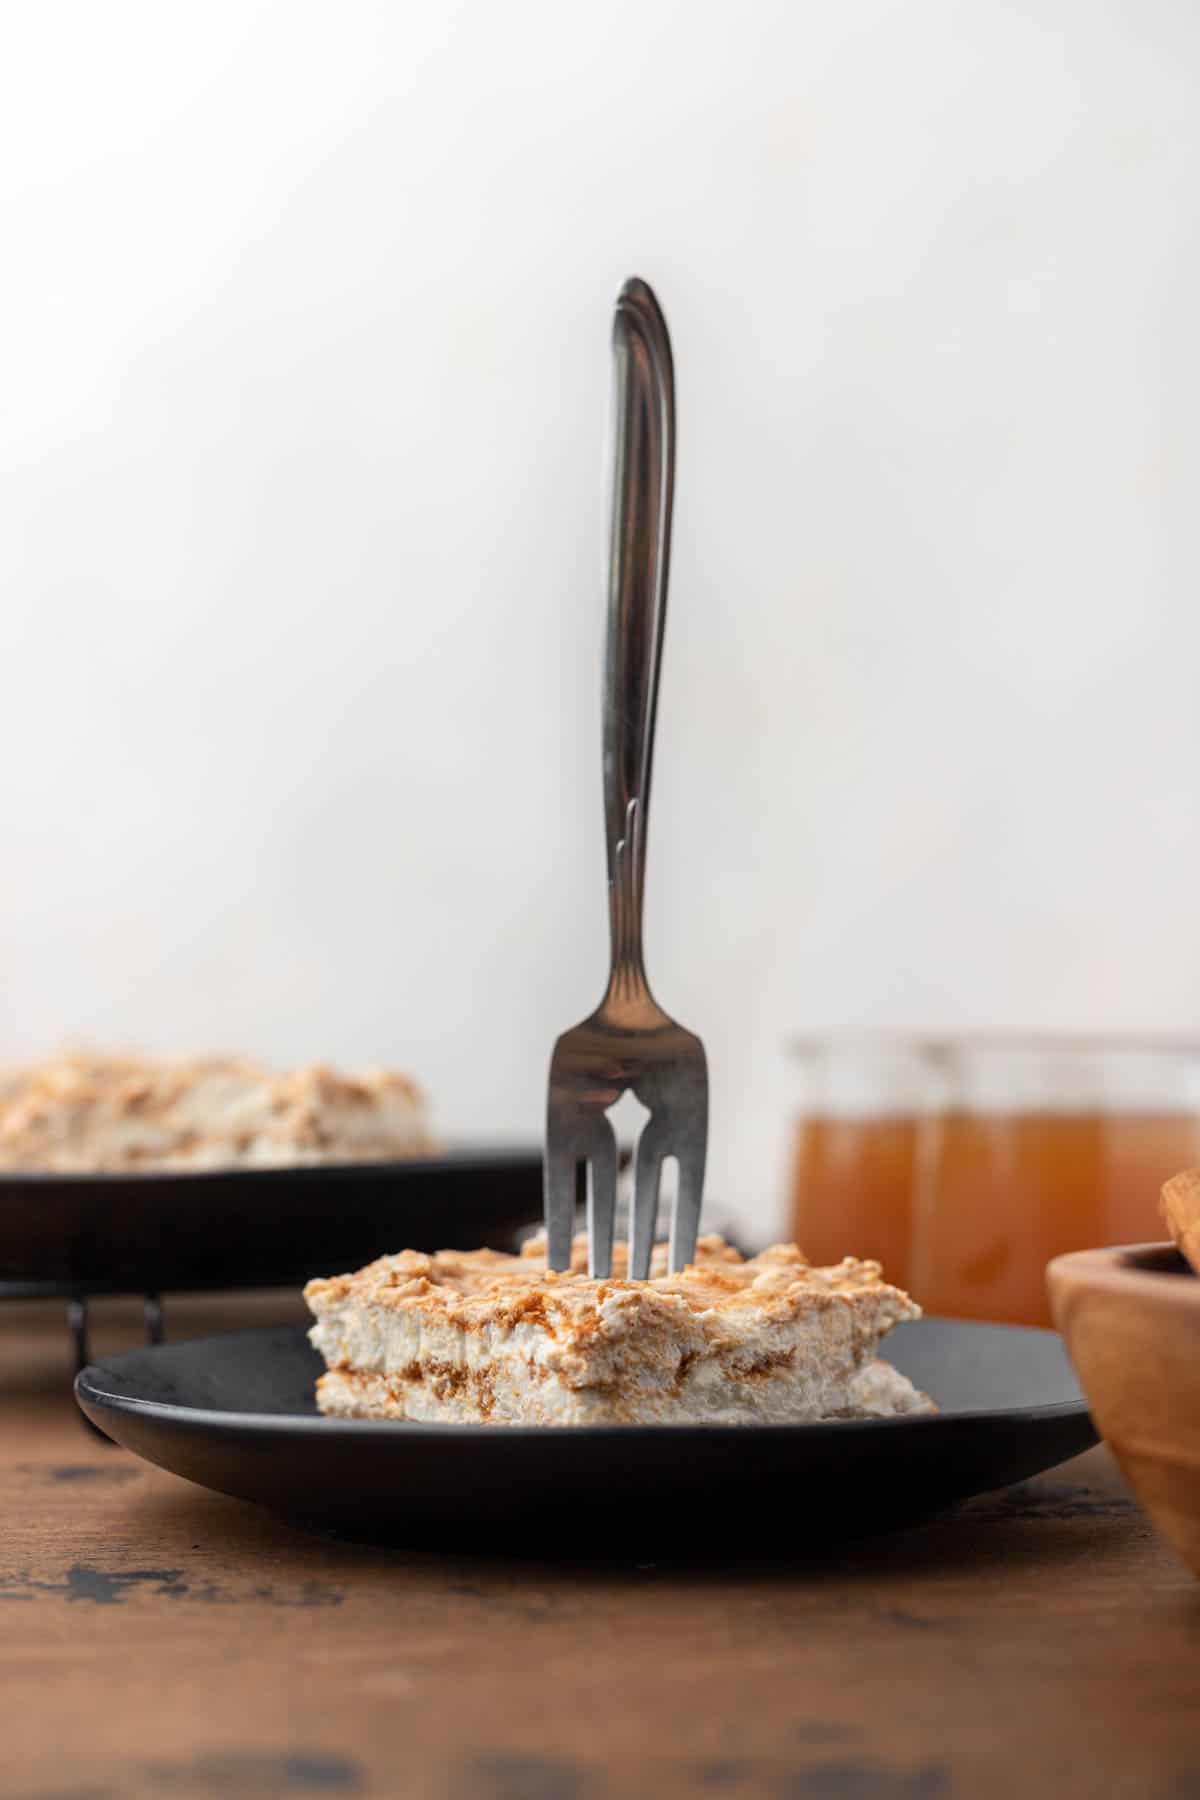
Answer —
(1155, 1273)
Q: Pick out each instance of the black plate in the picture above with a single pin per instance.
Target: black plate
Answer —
(236, 1413)
(255, 1227)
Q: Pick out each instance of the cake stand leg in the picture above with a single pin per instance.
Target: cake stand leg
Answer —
(77, 1321)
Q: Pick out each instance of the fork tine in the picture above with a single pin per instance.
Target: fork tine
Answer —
(644, 1209)
(602, 1201)
(561, 1166)
(685, 1218)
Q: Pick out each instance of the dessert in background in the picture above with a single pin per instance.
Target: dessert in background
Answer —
(482, 1338)
(85, 1111)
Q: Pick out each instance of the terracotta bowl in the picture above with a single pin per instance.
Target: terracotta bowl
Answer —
(1131, 1319)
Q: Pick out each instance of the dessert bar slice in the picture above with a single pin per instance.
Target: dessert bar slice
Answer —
(481, 1337)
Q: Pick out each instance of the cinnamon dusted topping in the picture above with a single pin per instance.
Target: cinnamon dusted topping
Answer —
(771, 1337)
(86, 1112)
(482, 1287)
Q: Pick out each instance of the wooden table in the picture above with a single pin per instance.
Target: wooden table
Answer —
(161, 1640)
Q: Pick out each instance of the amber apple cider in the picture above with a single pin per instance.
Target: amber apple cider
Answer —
(966, 1208)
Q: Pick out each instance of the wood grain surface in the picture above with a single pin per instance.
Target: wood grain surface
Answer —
(156, 1639)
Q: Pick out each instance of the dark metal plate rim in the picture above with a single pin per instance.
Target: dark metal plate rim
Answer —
(463, 1159)
(94, 1398)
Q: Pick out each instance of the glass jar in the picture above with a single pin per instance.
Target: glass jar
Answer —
(859, 1140)
(965, 1164)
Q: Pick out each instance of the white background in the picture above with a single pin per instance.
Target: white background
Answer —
(304, 346)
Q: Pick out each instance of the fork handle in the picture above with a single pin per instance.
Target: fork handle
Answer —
(643, 481)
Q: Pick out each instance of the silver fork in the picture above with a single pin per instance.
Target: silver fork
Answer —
(629, 1042)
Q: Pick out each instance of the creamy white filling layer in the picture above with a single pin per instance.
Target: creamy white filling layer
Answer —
(705, 1398)
(409, 1364)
